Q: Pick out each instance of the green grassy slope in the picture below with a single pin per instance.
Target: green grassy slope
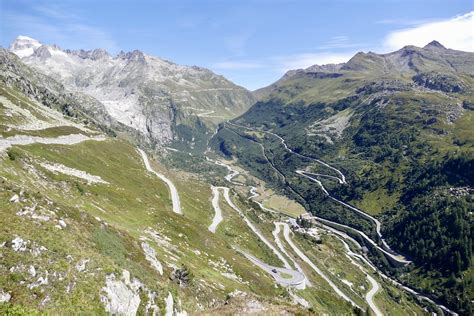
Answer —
(62, 236)
(405, 143)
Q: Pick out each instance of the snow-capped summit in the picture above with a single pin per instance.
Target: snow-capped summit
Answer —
(24, 46)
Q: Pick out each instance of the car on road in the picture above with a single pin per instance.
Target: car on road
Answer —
(274, 270)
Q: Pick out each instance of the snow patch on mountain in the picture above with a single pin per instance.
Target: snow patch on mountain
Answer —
(24, 46)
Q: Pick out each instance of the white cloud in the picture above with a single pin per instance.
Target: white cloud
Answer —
(456, 33)
(405, 22)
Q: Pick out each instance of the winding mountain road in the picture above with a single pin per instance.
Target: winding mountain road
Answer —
(255, 230)
(378, 225)
(218, 212)
(375, 286)
(276, 233)
(254, 194)
(342, 180)
(387, 278)
(284, 277)
(286, 234)
(396, 259)
(297, 279)
(369, 297)
(232, 172)
(173, 191)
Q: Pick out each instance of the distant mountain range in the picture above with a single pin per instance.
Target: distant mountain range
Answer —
(407, 61)
(159, 99)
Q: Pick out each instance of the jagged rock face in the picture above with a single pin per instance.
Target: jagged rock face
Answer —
(437, 81)
(46, 90)
(146, 93)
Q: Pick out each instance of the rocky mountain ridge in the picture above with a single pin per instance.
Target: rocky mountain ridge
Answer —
(15, 75)
(407, 62)
(153, 96)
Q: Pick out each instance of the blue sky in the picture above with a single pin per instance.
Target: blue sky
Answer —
(250, 42)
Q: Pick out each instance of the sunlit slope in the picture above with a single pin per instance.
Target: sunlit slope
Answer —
(91, 205)
(399, 126)
(85, 226)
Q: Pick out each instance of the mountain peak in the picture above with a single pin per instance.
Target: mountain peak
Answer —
(95, 54)
(24, 46)
(135, 55)
(434, 44)
(25, 38)
(324, 68)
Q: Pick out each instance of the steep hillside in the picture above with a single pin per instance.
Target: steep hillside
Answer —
(92, 224)
(162, 101)
(394, 138)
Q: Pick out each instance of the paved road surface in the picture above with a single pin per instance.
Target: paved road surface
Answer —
(284, 277)
(218, 212)
(286, 233)
(276, 233)
(173, 191)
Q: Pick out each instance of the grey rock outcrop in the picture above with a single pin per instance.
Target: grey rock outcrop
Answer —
(150, 96)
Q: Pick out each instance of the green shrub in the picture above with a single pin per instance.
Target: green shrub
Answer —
(11, 155)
